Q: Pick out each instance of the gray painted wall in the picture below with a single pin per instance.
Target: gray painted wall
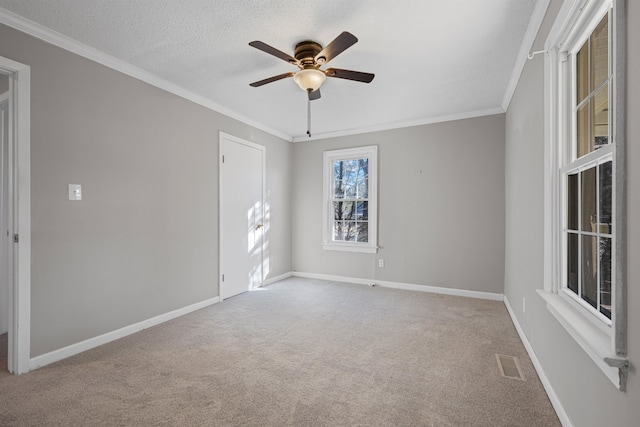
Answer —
(441, 206)
(586, 394)
(4, 83)
(144, 239)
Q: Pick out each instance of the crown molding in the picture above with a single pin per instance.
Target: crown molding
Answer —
(64, 42)
(399, 125)
(50, 36)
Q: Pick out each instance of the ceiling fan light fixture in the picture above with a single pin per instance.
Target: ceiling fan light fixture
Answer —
(310, 79)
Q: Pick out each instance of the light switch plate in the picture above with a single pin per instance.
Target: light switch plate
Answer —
(75, 192)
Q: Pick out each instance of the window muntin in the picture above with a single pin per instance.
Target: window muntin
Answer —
(350, 199)
(592, 77)
(587, 178)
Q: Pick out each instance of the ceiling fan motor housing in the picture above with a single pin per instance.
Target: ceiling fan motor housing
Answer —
(306, 51)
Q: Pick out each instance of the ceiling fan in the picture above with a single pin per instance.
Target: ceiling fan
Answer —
(309, 56)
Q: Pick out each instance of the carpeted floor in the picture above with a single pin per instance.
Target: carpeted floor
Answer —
(300, 352)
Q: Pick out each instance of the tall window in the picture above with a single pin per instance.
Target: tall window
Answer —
(350, 199)
(583, 189)
(588, 191)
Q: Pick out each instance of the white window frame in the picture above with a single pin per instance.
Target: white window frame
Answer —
(329, 157)
(604, 341)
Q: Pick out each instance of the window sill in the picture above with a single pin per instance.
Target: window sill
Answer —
(595, 342)
(350, 248)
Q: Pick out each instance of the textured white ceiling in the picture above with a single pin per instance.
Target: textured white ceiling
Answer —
(431, 58)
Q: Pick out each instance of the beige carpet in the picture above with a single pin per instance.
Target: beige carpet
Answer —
(298, 353)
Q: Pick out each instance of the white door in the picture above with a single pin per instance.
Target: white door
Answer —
(241, 215)
(4, 212)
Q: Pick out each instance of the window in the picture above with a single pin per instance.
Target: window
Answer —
(350, 205)
(584, 199)
(587, 176)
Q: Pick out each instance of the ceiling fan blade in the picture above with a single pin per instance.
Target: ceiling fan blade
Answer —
(314, 95)
(273, 51)
(358, 76)
(337, 46)
(271, 79)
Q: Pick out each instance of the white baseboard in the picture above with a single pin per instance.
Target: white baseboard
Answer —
(332, 278)
(271, 280)
(557, 405)
(71, 350)
(405, 286)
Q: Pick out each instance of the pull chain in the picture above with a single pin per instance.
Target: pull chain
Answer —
(309, 115)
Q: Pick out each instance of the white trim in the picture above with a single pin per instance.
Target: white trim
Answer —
(400, 125)
(529, 38)
(405, 286)
(233, 138)
(369, 152)
(275, 279)
(57, 39)
(568, 12)
(553, 397)
(53, 37)
(347, 247)
(575, 18)
(73, 349)
(19, 345)
(588, 17)
(595, 342)
(333, 278)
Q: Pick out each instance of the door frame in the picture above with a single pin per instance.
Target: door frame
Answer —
(262, 149)
(19, 200)
(5, 246)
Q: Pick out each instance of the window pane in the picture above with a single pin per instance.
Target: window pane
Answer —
(600, 117)
(572, 201)
(363, 232)
(363, 189)
(582, 72)
(362, 211)
(350, 190)
(582, 124)
(338, 189)
(351, 176)
(337, 230)
(349, 231)
(588, 184)
(349, 210)
(572, 262)
(599, 42)
(606, 196)
(337, 210)
(338, 178)
(363, 178)
(605, 276)
(344, 210)
(589, 270)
